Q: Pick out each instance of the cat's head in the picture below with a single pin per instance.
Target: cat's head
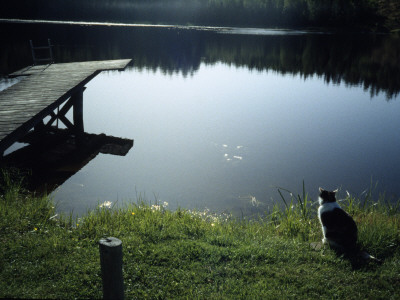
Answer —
(327, 196)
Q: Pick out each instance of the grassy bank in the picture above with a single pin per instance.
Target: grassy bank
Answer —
(193, 255)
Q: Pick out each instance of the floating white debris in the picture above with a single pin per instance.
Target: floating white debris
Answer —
(226, 154)
(78, 184)
(224, 145)
(239, 147)
(238, 157)
(252, 199)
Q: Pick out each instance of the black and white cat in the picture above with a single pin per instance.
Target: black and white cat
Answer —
(338, 228)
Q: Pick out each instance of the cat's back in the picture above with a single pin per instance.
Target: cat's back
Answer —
(328, 207)
(338, 226)
(331, 213)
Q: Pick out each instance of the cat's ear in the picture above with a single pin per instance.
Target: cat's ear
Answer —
(335, 191)
(321, 189)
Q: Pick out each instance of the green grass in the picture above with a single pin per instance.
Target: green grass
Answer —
(183, 254)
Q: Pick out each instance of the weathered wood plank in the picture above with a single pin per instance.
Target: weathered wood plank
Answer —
(41, 91)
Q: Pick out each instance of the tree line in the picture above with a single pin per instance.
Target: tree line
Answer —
(259, 13)
(364, 60)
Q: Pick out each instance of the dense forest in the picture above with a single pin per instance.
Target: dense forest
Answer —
(359, 14)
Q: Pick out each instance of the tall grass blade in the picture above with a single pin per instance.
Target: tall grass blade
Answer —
(283, 198)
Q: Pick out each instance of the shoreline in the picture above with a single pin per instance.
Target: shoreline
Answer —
(227, 29)
(193, 255)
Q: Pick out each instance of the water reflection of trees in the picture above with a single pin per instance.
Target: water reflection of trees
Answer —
(355, 60)
(366, 60)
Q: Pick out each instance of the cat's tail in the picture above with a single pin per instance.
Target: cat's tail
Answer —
(366, 256)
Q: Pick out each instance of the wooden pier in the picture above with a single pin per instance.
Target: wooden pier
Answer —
(41, 92)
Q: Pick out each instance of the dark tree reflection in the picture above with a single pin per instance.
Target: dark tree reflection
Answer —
(367, 60)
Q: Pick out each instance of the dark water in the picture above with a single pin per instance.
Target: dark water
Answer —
(221, 117)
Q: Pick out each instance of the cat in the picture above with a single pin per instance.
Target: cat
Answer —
(338, 227)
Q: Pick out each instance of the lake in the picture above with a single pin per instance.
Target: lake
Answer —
(222, 117)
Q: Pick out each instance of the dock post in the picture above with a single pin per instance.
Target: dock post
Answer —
(77, 99)
(77, 104)
(111, 268)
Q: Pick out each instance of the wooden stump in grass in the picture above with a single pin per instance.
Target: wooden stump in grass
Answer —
(111, 268)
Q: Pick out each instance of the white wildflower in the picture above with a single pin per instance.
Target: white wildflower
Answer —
(155, 207)
(105, 204)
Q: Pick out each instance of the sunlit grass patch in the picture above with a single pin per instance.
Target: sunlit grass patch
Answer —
(192, 254)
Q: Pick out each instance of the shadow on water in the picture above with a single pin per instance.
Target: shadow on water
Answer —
(53, 156)
(370, 61)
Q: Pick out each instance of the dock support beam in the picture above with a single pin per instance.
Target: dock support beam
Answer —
(77, 100)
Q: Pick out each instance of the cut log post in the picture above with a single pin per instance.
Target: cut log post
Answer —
(111, 268)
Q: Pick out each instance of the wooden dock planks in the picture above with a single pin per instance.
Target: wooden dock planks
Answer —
(43, 89)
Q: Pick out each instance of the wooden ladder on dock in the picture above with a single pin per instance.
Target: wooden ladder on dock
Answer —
(40, 59)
